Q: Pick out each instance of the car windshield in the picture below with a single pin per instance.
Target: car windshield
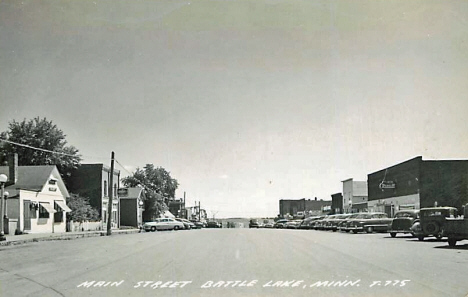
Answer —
(405, 215)
(363, 216)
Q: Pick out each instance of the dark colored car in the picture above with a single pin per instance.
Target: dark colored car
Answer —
(370, 222)
(336, 221)
(198, 224)
(343, 225)
(307, 222)
(431, 221)
(403, 221)
(280, 223)
(254, 224)
(213, 224)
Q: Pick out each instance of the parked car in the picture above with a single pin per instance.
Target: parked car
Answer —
(403, 221)
(253, 223)
(322, 224)
(305, 224)
(456, 228)
(187, 224)
(315, 222)
(198, 224)
(370, 222)
(163, 224)
(294, 224)
(431, 221)
(280, 223)
(343, 225)
(336, 221)
(269, 225)
(213, 224)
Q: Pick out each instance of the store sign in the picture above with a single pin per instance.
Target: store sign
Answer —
(387, 185)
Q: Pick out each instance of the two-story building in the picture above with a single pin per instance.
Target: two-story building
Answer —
(93, 181)
(354, 196)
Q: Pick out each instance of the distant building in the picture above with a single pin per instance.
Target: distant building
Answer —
(419, 183)
(354, 196)
(177, 207)
(308, 206)
(92, 181)
(337, 203)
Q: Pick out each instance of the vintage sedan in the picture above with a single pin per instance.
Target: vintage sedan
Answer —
(343, 225)
(370, 222)
(403, 221)
(294, 224)
(279, 224)
(214, 224)
(336, 221)
(163, 224)
(432, 220)
(187, 224)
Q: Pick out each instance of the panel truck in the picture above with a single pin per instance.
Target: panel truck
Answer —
(457, 228)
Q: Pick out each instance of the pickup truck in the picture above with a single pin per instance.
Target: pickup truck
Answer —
(456, 228)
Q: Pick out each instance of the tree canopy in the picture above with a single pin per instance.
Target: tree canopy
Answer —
(81, 209)
(42, 134)
(160, 188)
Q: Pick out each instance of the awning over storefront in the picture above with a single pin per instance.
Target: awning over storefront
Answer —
(48, 207)
(63, 206)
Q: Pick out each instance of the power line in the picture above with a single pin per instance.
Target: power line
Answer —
(47, 151)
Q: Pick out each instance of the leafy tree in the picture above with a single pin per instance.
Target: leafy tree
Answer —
(81, 209)
(160, 188)
(43, 134)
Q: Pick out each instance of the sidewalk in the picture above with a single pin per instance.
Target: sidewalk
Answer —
(25, 238)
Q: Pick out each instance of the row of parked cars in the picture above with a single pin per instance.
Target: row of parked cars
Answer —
(178, 224)
(422, 223)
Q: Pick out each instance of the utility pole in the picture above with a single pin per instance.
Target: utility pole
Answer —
(111, 197)
(185, 211)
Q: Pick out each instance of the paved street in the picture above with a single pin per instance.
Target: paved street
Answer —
(235, 262)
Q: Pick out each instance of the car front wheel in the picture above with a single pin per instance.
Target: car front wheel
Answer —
(176, 228)
(393, 234)
(153, 229)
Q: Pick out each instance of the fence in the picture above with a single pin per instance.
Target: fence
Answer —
(84, 226)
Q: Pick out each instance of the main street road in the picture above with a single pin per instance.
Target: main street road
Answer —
(235, 262)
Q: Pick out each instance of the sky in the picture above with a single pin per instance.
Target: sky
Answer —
(243, 102)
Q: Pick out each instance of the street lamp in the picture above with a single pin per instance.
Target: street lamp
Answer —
(3, 180)
(6, 194)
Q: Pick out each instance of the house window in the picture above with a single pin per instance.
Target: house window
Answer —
(105, 188)
(115, 190)
(104, 216)
(58, 215)
(43, 213)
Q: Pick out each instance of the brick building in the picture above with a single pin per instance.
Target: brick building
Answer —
(419, 183)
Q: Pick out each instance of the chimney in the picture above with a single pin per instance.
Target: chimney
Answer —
(13, 169)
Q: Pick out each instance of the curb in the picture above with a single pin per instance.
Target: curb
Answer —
(67, 236)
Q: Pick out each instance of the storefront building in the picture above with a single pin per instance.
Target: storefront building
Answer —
(418, 183)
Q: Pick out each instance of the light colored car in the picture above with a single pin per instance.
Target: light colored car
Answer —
(163, 224)
(187, 224)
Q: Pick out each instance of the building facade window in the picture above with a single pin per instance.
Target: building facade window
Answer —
(105, 188)
(43, 213)
(58, 215)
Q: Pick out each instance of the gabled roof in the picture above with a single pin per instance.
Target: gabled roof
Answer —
(136, 192)
(33, 178)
